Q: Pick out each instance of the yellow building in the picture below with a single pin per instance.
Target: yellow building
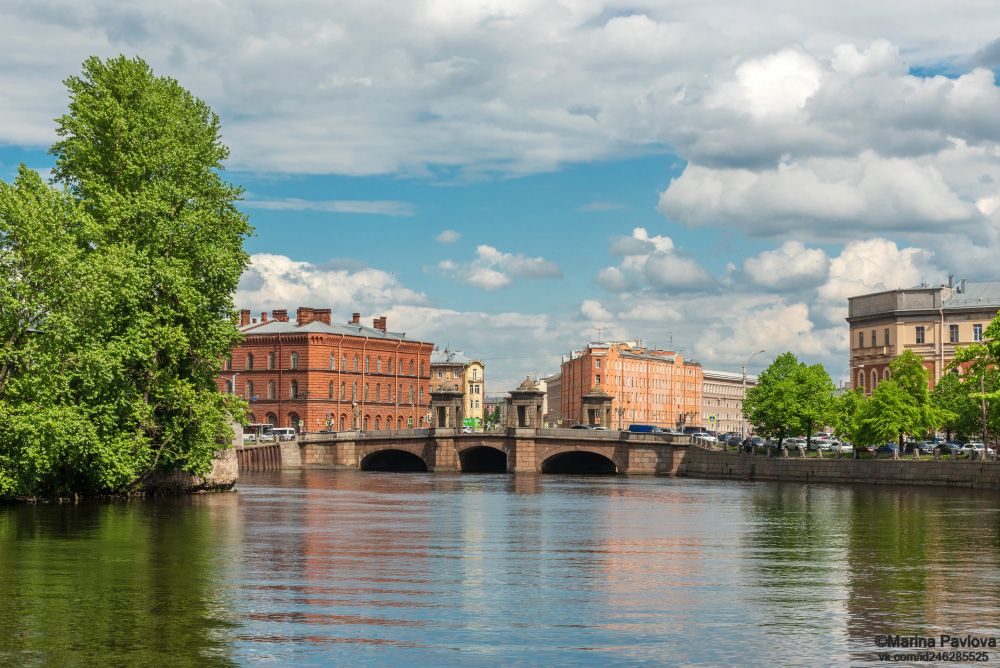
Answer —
(452, 369)
(930, 321)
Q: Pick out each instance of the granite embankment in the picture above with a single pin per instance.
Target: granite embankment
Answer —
(700, 462)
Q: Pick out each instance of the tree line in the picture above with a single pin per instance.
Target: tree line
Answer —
(793, 399)
(116, 284)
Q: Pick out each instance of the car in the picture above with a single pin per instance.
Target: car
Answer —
(973, 445)
(466, 429)
(843, 447)
(283, 433)
(734, 439)
(952, 448)
(924, 447)
(822, 436)
(757, 441)
(597, 427)
(887, 449)
(580, 426)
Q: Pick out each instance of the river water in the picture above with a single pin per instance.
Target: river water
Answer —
(349, 568)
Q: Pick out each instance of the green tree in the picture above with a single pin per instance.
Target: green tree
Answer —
(132, 332)
(846, 409)
(953, 395)
(790, 398)
(887, 414)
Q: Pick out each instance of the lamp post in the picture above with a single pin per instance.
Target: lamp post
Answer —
(743, 397)
(235, 374)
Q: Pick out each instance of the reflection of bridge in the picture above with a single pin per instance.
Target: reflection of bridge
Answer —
(514, 450)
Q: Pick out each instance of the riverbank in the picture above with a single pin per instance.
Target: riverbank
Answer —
(700, 462)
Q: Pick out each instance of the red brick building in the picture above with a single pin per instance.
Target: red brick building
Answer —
(312, 374)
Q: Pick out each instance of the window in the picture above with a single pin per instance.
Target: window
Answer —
(885, 336)
(953, 333)
(874, 343)
(333, 364)
(294, 394)
(294, 364)
(343, 362)
(475, 374)
(920, 334)
(977, 332)
(331, 389)
(597, 379)
(354, 391)
(440, 374)
(861, 339)
(378, 423)
(597, 364)
(250, 390)
(366, 391)
(249, 361)
(378, 392)
(378, 368)
(388, 393)
(229, 364)
(399, 394)
(355, 362)
(343, 391)
(874, 380)
(368, 364)
(885, 373)
(270, 389)
(411, 367)
(411, 394)
(422, 374)
(270, 360)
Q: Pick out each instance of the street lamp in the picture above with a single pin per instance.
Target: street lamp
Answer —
(743, 398)
(235, 374)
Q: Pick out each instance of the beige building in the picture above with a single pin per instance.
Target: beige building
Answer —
(451, 368)
(722, 399)
(930, 321)
(553, 399)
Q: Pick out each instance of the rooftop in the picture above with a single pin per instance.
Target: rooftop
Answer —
(292, 326)
(456, 357)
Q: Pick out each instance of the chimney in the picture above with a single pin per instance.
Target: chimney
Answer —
(355, 318)
(961, 286)
(280, 314)
(304, 315)
(379, 323)
(322, 315)
(244, 317)
(263, 316)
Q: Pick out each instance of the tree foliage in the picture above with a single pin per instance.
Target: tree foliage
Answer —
(116, 295)
(790, 398)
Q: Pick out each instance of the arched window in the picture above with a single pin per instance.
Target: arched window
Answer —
(331, 389)
(368, 363)
(333, 364)
(367, 418)
(250, 396)
(343, 362)
(366, 391)
(421, 369)
(230, 386)
(252, 418)
(861, 380)
(411, 367)
(293, 421)
(399, 393)
(388, 393)
(874, 380)
(885, 374)
(378, 365)
(378, 392)
(294, 393)
(294, 364)
(411, 394)
(355, 362)
(229, 363)
(343, 391)
(343, 423)
(378, 423)
(272, 419)
(270, 389)
(388, 365)
(354, 391)
(270, 360)
(249, 361)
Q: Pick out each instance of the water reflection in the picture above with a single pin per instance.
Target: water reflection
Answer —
(315, 568)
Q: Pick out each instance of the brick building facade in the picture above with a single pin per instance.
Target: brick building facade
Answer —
(655, 387)
(312, 374)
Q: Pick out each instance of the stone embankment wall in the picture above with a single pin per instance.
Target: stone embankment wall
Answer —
(703, 463)
(222, 477)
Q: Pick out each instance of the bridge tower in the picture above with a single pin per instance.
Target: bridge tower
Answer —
(597, 407)
(446, 407)
(526, 406)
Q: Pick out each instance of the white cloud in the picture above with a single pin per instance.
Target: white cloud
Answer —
(790, 266)
(448, 237)
(493, 269)
(375, 207)
(591, 309)
(651, 262)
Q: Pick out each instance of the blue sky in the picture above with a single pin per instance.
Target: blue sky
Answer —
(514, 177)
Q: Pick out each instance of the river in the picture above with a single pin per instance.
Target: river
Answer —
(350, 568)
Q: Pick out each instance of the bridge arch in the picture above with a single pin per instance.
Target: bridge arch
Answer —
(577, 460)
(393, 459)
(482, 458)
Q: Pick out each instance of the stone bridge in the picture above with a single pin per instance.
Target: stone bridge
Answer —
(520, 450)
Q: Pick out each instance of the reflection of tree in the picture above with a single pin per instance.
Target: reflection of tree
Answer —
(129, 584)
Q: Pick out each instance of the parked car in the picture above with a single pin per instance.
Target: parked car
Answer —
(795, 443)
(952, 448)
(924, 447)
(888, 449)
(734, 439)
(973, 445)
(843, 447)
(579, 426)
(283, 433)
(466, 429)
(822, 436)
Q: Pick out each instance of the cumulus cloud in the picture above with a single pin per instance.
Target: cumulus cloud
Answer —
(492, 269)
(651, 262)
(790, 266)
(591, 309)
(448, 237)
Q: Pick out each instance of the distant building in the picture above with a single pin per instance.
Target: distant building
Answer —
(722, 398)
(930, 321)
(311, 374)
(451, 368)
(657, 387)
(552, 405)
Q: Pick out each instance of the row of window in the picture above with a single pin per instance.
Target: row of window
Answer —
(345, 422)
(874, 378)
(293, 363)
(293, 391)
(920, 335)
(457, 374)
